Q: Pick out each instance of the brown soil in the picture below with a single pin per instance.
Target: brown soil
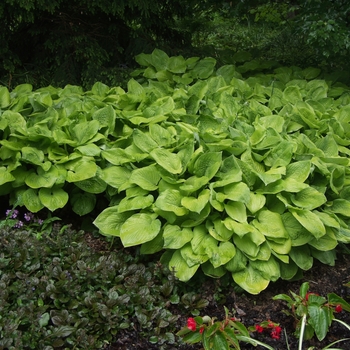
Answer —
(253, 309)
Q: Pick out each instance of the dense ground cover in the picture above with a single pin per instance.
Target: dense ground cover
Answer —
(74, 289)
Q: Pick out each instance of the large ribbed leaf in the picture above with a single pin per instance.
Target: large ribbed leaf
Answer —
(139, 228)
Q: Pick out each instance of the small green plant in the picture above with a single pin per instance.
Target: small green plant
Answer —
(225, 334)
(313, 313)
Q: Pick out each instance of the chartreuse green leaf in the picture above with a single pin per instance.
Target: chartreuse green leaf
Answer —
(192, 258)
(310, 221)
(167, 160)
(221, 254)
(93, 185)
(106, 118)
(207, 164)
(5, 99)
(42, 178)
(175, 237)
(139, 228)
(80, 169)
(297, 233)
(340, 206)
(326, 242)
(31, 200)
(115, 176)
(5, 176)
(196, 204)
(270, 224)
(309, 198)
(268, 269)
(135, 203)
(147, 177)
(236, 211)
(109, 221)
(53, 198)
(83, 132)
(182, 271)
(250, 280)
(170, 200)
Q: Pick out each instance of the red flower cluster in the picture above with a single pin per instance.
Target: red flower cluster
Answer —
(191, 324)
(275, 330)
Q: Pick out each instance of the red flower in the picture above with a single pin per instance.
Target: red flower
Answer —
(338, 308)
(276, 332)
(259, 329)
(201, 330)
(191, 324)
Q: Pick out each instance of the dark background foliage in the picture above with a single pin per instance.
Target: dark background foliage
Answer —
(81, 42)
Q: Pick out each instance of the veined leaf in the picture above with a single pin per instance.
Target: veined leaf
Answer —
(42, 178)
(267, 269)
(340, 206)
(83, 132)
(236, 211)
(83, 203)
(4, 97)
(204, 68)
(270, 224)
(167, 160)
(135, 203)
(192, 258)
(175, 237)
(31, 200)
(207, 164)
(302, 257)
(196, 204)
(33, 155)
(310, 221)
(147, 177)
(309, 198)
(182, 271)
(115, 176)
(5, 176)
(139, 228)
(298, 170)
(256, 202)
(170, 200)
(238, 192)
(250, 280)
(297, 233)
(143, 141)
(80, 169)
(109, 221)
(105, 117)
(53, 198)
(222, 253)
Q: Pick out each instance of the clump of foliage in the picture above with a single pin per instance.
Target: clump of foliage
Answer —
(248, 177)
(57, 292)
(313, 313)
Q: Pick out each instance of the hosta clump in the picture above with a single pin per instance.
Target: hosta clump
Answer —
(58, 293)
(247, 176)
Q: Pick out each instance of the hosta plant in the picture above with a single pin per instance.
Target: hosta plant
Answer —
(227, 170)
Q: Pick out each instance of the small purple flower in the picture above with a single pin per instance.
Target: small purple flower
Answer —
(28, 216)
(12, 213)
(40, 221)
(19, 224)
